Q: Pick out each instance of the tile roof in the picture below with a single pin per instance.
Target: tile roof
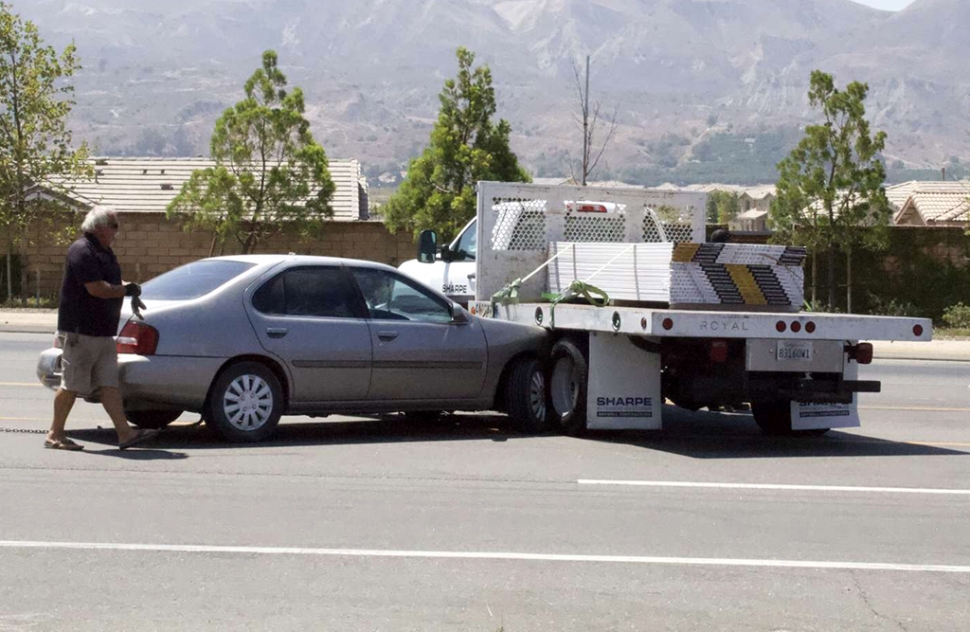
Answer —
(753, 214)
(147, 185)
(898, 194)
(935, 201)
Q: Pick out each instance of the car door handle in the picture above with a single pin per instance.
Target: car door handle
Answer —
(276, 332)
(387, 335)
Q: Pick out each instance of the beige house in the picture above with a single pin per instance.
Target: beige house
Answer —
(933, 203)
(148, 185)
(757, 198)
(754, 202)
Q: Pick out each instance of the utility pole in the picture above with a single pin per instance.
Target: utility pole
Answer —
(586, 125)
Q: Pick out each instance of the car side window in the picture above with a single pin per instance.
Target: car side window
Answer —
(392, 297)
(312, 291)
(468, 243)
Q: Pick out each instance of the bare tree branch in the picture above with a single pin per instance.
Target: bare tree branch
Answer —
(606, 141)
(589, 127)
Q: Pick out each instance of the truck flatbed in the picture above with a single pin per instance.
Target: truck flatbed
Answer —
(675, 323)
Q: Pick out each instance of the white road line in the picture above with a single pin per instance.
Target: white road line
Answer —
(480, 555)
(917, 409)
(810, 488)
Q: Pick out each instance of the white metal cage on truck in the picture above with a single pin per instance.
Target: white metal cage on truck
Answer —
(640, 310)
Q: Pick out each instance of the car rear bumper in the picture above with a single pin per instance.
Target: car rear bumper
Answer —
(49, 368)
(172, 381)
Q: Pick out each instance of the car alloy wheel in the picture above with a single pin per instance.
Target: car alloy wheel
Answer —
(245, 403)
(248, 403)
(525, 395)
(537, 396)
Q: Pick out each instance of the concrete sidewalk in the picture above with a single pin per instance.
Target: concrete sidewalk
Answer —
(28, 320)
(44, 321)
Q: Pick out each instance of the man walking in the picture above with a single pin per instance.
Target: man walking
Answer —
(87, 321)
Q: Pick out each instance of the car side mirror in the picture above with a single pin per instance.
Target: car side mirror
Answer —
(447, 254)
(458, 315)
(427, 246)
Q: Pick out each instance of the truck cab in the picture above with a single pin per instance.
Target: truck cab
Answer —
(450, 269)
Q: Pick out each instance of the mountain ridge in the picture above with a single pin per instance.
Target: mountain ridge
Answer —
(684, 75)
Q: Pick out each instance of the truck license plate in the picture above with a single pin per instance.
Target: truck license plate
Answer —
(797, 351)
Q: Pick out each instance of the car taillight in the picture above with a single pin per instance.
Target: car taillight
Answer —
(137, 338)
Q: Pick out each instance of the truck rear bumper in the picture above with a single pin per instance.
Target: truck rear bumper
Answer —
(815, 391)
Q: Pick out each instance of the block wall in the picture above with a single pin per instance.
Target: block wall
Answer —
(148, 245)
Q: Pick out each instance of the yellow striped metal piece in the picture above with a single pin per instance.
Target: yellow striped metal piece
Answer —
(746, 284)
(684, 252)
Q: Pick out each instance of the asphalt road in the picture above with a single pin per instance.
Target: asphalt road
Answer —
(357, 524)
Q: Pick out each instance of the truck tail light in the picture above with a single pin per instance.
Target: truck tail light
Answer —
(861, 353)
(137, 338)
(917, 330)
(719, 351)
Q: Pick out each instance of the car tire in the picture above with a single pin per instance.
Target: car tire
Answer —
(568, 387)
(246, 403)
(526, 395)
(774, 419)
(152, 419)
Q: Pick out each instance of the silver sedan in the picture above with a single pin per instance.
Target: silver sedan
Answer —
(243, 340)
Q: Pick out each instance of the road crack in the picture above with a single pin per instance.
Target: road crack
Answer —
(865, 599)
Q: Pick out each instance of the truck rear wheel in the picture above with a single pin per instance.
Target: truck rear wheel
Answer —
(568, 386)
(774, 419)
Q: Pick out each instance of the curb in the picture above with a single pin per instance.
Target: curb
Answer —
(26, 329)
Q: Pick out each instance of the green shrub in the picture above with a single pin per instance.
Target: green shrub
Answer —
(880, 306)
(957, 316)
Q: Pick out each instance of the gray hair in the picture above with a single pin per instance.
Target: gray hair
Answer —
(98, 216)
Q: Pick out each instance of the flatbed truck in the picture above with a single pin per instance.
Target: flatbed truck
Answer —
(613, 364)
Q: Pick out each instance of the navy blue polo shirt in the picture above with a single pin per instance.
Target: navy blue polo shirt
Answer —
(80, 312)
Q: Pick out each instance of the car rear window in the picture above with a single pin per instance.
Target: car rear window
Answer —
(193, 280)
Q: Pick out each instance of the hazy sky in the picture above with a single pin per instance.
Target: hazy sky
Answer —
(890, 5)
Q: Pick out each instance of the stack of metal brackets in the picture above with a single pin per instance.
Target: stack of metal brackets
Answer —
(752, 277)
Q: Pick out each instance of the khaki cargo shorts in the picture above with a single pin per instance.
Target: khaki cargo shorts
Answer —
(88, 363)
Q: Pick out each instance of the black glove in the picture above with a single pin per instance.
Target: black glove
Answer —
(132, 289)
(136, 307)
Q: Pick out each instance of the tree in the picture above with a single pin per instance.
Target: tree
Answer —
(465, 147)
(589, 126)
(830, 188)
(35, 143)
(270, 174)
(722, 207)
